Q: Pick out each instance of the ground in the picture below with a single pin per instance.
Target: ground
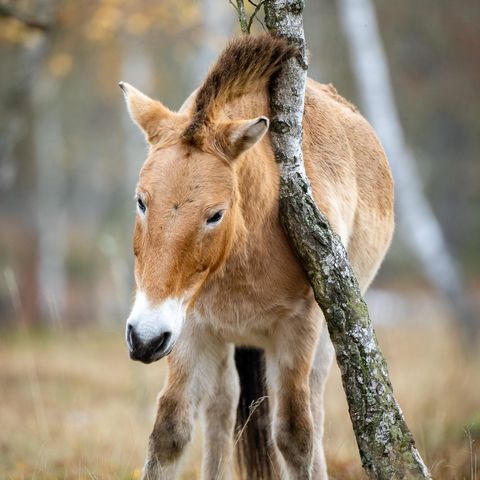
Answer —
(73, 406)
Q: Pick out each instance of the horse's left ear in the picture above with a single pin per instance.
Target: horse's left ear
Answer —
(237, 137)
(147, 113)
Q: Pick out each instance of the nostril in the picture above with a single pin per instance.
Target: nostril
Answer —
(166, 340)
(163, 341)
(132, 338)
(129, 335)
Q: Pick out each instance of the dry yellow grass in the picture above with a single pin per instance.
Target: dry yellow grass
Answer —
(73, 406)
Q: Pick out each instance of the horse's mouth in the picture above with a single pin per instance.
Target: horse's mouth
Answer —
(151, 353)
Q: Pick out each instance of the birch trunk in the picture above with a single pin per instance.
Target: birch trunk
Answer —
(217, 27)
(51, 198)
(386, 446)
(51, 188)
(422, 232)
(19, 165)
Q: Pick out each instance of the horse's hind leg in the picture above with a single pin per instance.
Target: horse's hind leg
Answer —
(318, 378)
(288, 372)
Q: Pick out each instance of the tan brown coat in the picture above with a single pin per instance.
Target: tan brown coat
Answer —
(213, 266)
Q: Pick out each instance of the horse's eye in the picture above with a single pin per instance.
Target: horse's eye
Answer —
(215, 218)
(141, 205)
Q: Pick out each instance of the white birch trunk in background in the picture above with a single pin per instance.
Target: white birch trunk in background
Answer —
(218, 25)
(51, 196)
(51, 181)
(420, 228)
(41, 277)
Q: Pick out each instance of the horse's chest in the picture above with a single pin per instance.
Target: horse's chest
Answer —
(246, 314)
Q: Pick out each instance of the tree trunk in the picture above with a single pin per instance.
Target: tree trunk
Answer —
(43, 279)
(19, 163)
(386, 446)
(217, 25)
(421, 230)
(51, 192)
(18, 185)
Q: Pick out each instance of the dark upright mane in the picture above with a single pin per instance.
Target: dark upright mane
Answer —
(246, 64)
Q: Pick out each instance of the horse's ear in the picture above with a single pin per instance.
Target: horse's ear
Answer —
(237, 137)
(147, 113)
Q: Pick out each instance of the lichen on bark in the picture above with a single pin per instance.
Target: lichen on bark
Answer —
(387, 448)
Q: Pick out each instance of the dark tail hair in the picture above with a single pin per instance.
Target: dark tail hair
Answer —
(255, 451)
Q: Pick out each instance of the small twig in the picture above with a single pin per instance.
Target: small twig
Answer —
(258, 6)
(246, 23)
(90, 474)
(264, 27)
(28, 21)
(252, 408)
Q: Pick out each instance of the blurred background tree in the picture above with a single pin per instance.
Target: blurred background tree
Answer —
(69, 161)
(69, 158)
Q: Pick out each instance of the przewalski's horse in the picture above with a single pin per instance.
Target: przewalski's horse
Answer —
(214, 269)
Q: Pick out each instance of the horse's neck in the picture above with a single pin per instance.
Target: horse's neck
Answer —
(257, 180)
(257, 177)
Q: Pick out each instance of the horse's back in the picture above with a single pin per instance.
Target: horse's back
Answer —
(350, 176)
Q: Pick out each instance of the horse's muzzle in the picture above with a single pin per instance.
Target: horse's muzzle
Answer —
(149, 352)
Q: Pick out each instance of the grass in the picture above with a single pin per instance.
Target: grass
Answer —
(73, 406)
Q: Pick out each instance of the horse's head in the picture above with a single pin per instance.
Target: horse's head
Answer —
(186, 216)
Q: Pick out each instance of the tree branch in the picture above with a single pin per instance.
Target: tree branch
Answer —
(29, 21)
(386, 446)
(246, 24)
(257, 6)
(242, 17)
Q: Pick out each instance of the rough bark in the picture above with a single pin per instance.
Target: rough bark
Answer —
(422, 231)
(386, 446)
(242, 17)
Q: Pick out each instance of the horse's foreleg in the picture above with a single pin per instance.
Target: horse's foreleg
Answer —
(219, 418)
(173, 425)
(177, 405)
(288, 371)
(200, 374)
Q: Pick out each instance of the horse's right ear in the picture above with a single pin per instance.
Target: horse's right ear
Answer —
(147, 113)
(234, 138)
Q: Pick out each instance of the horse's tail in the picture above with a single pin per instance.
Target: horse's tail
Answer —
(254, 447)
